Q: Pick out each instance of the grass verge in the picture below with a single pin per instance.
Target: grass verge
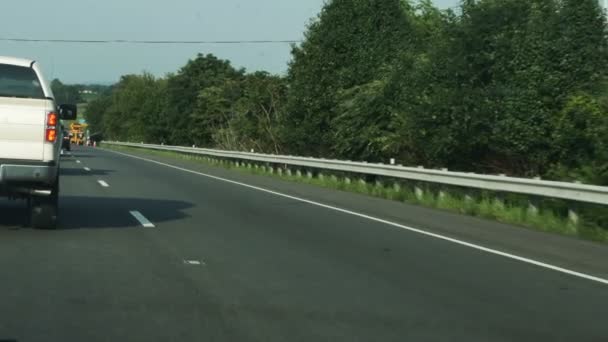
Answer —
(509, 209)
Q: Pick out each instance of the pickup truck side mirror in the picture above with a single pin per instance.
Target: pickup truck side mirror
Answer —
(67, 112)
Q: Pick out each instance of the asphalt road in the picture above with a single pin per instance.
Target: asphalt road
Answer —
(225, 262)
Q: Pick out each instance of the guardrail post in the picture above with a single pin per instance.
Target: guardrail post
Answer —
(532, 208)
(397, 187)
(533, 204)
(572, 214)
(288, 171)
(378, 188)
(499, 201)
(347, 180)
(299, 173)
(441, 195)
(321, 176)
(419, 192)
(309, 174)
(392, 161)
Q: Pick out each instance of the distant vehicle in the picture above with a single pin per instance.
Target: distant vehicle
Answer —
(77, 131)
(30, 139)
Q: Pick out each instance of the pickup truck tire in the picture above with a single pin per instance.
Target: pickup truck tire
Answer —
(44, 216)
(44, 210)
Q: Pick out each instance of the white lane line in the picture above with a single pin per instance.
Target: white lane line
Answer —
(87, 169)
(103, 183)
(142, 219)
(390, 223)
(194, 262)
(78, 162)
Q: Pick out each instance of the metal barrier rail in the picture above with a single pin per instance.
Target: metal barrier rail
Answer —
(536, 187)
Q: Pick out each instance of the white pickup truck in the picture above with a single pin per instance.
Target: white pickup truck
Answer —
(30, 139)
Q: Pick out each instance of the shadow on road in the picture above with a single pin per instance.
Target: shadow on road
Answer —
(12, 214)
(79, 212)
(68, 171)
(78, 155)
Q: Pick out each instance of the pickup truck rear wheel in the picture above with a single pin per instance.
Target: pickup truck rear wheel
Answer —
(44, 216)
(44, 210)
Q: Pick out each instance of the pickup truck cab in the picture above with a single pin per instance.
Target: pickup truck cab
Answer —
(30, 139)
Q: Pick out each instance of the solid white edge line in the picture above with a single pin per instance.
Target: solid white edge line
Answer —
(103, 183)
(393, 224)
(141, 219)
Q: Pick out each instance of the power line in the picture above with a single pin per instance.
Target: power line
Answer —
(126, 41)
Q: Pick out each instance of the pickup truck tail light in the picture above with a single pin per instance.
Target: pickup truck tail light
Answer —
(51, 127)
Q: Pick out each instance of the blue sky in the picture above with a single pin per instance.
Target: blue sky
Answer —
(153, 20)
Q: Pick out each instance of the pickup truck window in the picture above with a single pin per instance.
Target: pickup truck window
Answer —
(21, 82)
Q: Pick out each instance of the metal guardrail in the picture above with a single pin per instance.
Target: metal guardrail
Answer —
(563, 190)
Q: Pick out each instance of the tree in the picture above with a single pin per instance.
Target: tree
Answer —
(184, 88)
(95, 113)
(259, 112)
(65, 93)
(350, 42)
(136, 112)
(505, 86)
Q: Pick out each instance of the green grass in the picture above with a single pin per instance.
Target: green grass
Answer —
(508, 210)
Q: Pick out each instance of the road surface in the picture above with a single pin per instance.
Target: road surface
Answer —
(150, 252)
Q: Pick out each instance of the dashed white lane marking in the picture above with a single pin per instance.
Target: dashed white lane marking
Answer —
(87, 169)
(194, 262)
(142, 219)
(78, 162)
(386, 222)
(103, 183)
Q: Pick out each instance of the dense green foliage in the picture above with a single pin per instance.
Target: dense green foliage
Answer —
(65, 93)
(498, 86)
(76, 93)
